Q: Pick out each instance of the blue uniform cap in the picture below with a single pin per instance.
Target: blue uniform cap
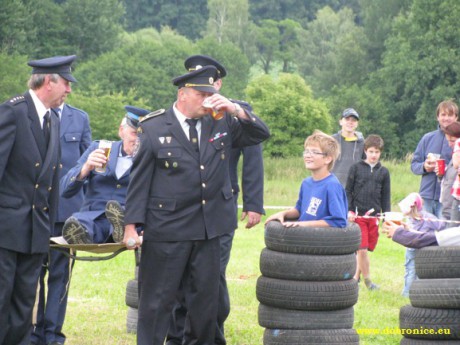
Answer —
(57, 64)
(133, 115)
(196, 62)
(202, 79)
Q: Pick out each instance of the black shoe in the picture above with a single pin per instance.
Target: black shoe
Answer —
(74, 232)
(116, 216)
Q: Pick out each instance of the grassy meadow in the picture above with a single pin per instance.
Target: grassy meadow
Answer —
(96, 311)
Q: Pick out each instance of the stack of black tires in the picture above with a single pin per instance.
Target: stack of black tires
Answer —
(434, 314)
(307, 291)
(132, 297)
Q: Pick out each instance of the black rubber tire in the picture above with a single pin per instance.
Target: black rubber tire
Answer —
(408, 341)
(276, 318)
(304, 295)
(438, 262)
(307, 267)
(132, 295)
(417, 320)
(131, 320)
(311, 337)
(435, 293)
(309, 240)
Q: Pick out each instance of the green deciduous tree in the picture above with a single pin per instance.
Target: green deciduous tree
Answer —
(48, 34)
(420, 66)
(105, 112)
(145, 64)
(15, 73)
(377, 18)
(290, 31)
(267, 40)
(187, 17)
(14, 26)
(228, 21)
(332, 51)
(234, 61)
(299, 10)
(92, 26)
(287, 106)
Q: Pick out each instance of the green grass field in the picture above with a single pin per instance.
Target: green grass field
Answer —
(96, 311)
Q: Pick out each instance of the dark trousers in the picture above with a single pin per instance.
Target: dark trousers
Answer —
(18, 285)
(177, 324)
(52, 304)
(164, 267)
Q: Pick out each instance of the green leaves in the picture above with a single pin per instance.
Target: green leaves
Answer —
(288, 108)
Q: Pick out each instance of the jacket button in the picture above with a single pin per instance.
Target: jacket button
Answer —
(36, 186)
(45, 208)
(37, 165)
(203, 185)
(160, 205)
(204, 202)
(202, 167)
(49, 189)
(118, 186)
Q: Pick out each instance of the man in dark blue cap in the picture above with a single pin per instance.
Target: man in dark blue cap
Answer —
(75, 138)
(99, 219)
(253, 186)
(180, 192)
(29, 180)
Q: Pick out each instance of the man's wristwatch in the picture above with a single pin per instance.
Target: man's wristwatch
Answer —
(237, 109)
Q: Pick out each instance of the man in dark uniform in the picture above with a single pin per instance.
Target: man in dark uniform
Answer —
(29, 177)
(252, 185)
(75, 137)
(180, 191)
(105, 190)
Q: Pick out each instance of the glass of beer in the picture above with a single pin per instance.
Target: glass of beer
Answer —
(216, 114)
(395, 217)
(105, 145)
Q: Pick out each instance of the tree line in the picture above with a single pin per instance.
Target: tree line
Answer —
(299, 63)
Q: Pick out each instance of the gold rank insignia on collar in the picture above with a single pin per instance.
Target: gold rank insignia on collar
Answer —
(152, 115)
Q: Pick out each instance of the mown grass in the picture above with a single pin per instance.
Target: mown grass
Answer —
(96, 312)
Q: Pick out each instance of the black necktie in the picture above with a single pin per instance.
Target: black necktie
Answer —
(193, 133)
(46, 127)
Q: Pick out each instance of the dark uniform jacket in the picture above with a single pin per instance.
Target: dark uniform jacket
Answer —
(29, 177)
(100, 187)
(179, 194)
(252, 168)
(75, 139)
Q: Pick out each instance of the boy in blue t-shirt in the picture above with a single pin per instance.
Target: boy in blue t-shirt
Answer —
(322, 199)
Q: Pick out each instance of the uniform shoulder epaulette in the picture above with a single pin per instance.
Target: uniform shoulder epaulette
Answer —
(17, 99)
(240, 102)
(152, 115)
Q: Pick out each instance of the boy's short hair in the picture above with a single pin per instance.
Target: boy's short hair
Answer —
(373, 140)
(326, 143)
(448, 105)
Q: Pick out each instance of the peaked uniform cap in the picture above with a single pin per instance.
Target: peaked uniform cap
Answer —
(195, 62)
(54, 65)
(134, 114)
(202, 79)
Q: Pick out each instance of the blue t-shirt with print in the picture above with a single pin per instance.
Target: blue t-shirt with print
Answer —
(323, 200)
